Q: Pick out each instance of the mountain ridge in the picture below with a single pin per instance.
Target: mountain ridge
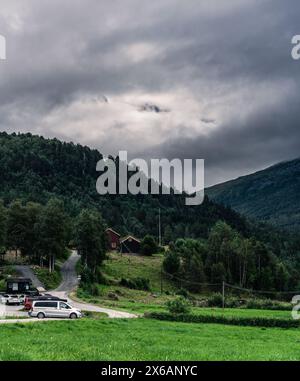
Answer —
(269, 195)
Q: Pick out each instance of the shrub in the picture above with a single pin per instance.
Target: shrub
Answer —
(171, 263)
(2, 285)
(215, 300)
(161, 250)
(183, 292)
(88, 289)
(148, 245)
(95, 290)
(87, 276)
(136, 283)
(267, 304)
(221, 319)
(178, 306)
(232, 302)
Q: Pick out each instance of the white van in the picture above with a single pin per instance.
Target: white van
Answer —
(53, 309)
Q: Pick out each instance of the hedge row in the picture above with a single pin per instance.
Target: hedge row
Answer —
(216, 300)
(221, 319)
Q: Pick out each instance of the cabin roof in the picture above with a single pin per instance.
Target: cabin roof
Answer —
(129, 236)
(18, 280)
(113, 231)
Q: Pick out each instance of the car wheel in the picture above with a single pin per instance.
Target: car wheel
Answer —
(40, 315)
(73, 316)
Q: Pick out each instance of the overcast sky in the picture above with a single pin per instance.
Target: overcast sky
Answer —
(219, 72)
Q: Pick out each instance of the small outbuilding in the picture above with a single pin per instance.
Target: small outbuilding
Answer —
(130, 244)
(113, 239)
(18, 285)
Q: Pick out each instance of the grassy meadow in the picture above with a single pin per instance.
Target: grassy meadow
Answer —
(96, 337)
(142, 339)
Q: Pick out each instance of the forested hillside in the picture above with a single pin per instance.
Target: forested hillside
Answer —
(35, 169)
(48, 187)
(271, 195)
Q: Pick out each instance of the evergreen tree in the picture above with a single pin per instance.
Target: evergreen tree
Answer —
(148, 245)
(3, 229)
(90, 239)
(16, 226)
(52, 232)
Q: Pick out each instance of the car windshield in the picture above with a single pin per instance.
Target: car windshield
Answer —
(65, 306)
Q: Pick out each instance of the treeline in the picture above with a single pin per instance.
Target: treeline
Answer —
(40, 233)
(228, 256)
(43, 233)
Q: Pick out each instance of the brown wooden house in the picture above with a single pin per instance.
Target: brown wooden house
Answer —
(113, 239)
(130, 244)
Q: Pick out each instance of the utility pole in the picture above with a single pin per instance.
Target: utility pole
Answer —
(223, 295)
(159, 228)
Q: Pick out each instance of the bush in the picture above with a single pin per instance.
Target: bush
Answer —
(183, 292)
(267, 304)
(89, 277)
(233, 302)
(178, 306)
(171, 263)
(95, 290)
(215, 300)
(221, 319)
(136, 283)
(161, 250)
(148, 245)
(88, 289)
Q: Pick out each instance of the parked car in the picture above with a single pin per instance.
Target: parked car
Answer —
(29, 300)
(3, 298)
(13, 299)
(53, 308)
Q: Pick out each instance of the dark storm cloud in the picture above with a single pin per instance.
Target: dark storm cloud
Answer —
(222, 69)
(259, 141)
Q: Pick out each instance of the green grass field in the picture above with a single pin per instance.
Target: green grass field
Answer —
(142, 339)
(137, 301)
(98, 338)
(239, 312)
(132, 266)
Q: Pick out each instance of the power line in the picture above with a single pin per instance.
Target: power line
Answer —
(260, 291)
(189, 281)
(229, 285)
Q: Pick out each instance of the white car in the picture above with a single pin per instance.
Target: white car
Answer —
(12, 299)
(3, 299)
(53, 309)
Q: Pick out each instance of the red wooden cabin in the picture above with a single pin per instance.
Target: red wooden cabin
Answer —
(113, 239)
